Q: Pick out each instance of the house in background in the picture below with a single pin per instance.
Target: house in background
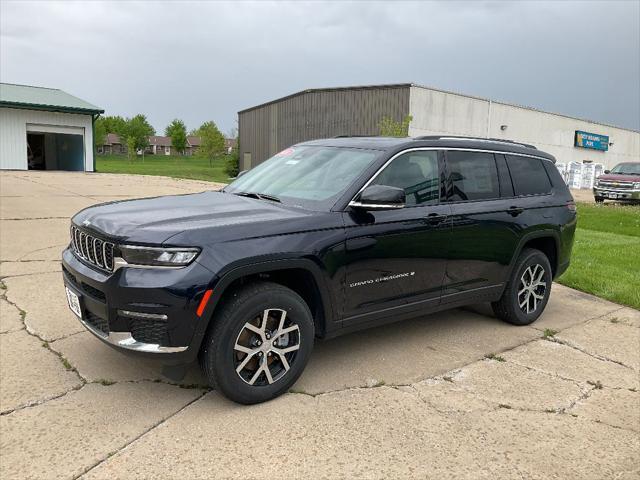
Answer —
(229, 145)
(158, 145)
(193, 144)
(112, 145)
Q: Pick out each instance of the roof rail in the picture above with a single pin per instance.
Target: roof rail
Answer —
(474, 139)
(358, 136)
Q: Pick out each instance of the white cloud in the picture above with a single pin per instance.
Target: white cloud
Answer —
(207, 60)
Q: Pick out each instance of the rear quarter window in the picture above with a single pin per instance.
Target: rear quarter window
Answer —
(472, 176)
(528, 175)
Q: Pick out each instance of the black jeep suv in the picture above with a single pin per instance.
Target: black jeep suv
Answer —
(326, 237)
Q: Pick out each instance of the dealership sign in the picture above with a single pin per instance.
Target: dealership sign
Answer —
(592, 140)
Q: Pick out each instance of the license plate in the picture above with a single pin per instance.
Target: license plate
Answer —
(613, 195)
(74, 302)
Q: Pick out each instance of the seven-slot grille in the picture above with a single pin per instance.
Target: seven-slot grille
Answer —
(92, 249)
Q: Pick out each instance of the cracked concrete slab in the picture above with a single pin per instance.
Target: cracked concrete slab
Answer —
(42, 207)
(69, 435)
(417, 427)
(16, 269)
(42, 296)
(10, 319)
(24, 239)
(13, 184)
(619, 408)
(510, 385)
(96, 361)
(567, 362)
(30, 373)
(408, 351)
(568, 307)
(626, 316)
(613, 341)
(369, 433)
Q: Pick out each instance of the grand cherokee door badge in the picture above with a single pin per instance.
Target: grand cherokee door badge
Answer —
(387, 278)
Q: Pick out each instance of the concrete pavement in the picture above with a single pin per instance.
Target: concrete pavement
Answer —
(457, 394)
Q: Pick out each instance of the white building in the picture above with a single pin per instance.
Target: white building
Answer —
(270, 127)
(45, 129)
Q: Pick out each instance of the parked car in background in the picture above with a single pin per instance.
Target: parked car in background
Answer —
(621, 183)
(324, 238)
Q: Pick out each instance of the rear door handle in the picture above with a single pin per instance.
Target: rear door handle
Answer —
(435, 218)
(515, 211)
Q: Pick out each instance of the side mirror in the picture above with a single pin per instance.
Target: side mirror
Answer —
(607, 171)
(456, 177)
(380, 197)
(241, 173)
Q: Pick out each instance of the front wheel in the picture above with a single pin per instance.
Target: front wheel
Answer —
(599, 199)
(527, 292)
(259, 343)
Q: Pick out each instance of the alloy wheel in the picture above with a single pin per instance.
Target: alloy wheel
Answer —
(266, 347)
(532, 288)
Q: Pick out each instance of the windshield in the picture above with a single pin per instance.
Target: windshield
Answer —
(312, 177)
(627, 169)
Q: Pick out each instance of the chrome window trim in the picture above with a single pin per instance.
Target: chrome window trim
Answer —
(443, 149)
(375, 206)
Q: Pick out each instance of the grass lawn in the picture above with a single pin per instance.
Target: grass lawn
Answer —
(606, 253)
(193, 168)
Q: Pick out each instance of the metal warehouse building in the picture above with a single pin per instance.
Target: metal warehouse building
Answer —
(327, 112)
(45, 129)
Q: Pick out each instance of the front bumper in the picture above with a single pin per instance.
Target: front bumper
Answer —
(617, 193)
(148, 311)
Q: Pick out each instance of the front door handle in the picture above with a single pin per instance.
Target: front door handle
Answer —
(515, 211)
(435, 218)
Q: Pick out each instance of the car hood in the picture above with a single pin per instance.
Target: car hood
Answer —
(156, 220)
(615, 177)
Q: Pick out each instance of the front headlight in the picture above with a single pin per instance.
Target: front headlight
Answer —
(158, 256)
(597, 184)
(636, 185)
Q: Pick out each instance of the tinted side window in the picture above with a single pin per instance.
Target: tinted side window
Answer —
(528, 175)
(473, 176)
(416, 173)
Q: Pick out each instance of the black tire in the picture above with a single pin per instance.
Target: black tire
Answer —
(219, 357)
(599, 199)
(508, 308)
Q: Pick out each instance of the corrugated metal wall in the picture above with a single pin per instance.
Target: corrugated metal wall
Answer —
(266, 130)
(13, 134)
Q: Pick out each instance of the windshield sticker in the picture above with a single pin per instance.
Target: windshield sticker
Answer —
(286, 152)
(382, 279)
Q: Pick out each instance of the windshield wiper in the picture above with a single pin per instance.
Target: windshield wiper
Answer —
(259, 196)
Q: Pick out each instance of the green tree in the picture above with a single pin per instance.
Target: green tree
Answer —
(390, 128)
(99, 132)
(136, 133)
(211, 141)
(232, 164)
(177, 130)
(114, 124)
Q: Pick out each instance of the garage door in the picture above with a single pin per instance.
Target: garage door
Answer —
(55, 147)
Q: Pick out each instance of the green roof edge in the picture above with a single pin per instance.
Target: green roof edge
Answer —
(50, 108)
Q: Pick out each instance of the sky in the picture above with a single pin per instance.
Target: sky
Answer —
(201, 61)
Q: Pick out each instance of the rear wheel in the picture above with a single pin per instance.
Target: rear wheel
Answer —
(259, 343)
(527, 292)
